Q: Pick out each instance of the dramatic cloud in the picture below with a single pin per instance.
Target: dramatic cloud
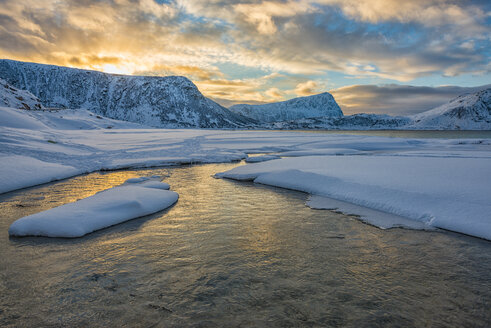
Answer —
(396, 99)
(258, 51)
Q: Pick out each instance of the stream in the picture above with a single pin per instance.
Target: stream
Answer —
(231, 254)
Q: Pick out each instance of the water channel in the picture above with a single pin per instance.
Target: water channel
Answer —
(232, 254)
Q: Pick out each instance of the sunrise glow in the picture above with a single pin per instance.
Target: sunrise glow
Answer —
(265, 51)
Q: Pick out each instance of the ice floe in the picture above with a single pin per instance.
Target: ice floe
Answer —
(109, 207)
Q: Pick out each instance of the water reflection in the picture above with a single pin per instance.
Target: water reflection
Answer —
(232, 254)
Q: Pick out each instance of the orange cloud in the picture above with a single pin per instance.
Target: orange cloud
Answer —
(307, 88)
(192, 72)
(274, 93)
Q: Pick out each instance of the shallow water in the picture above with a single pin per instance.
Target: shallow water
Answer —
(445, 134)
(235, 254)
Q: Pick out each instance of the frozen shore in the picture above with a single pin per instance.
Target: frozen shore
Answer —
(440, 182)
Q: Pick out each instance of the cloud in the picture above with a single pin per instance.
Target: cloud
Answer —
(193, 72)
(396, 99)
(307, 88)
(466, 15)
(240, 91)
(262, 15)
(274, 93)
(232, 90)
(299, 44)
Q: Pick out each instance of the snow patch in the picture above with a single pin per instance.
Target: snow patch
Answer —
(22, 171)
(264, 158)
(104, 209)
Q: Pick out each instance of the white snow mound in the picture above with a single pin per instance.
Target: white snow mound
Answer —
(104, 209)
(442, 192)
(18, 172)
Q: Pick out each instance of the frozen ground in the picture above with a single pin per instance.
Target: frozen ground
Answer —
(440, 182)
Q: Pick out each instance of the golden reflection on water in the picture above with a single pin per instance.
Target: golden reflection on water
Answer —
(84, 186)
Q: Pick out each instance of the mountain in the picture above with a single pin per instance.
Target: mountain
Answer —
(321, 105)
(15, 98)
(171, 101)
(466, 112)
(350, 122)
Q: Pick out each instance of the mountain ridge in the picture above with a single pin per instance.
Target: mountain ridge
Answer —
(170, 102)
(467, 111)
(470, 111)
(319, 105)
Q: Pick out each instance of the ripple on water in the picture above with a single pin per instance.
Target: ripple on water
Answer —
(231, 254)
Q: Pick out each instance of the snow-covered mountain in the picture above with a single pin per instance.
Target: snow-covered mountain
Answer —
(466, 112)
(321, 105)
(172, 101)
(15, 98)
(350, 122)
(175, 101)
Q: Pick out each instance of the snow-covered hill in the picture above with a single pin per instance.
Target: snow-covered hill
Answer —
(172, 101)
(321, 105)
(15, 98)
(466, 112)
(60, 119)
(350, 122)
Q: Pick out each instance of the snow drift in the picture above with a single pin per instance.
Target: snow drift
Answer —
(109, 207)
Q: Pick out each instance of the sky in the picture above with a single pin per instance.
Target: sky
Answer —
(374, 56)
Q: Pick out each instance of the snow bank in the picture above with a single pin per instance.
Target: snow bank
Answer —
(443, 192)
(104, 209)
(263, 158)
(21, 171)
(19, 119)
(149, 182)
(380, 219)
